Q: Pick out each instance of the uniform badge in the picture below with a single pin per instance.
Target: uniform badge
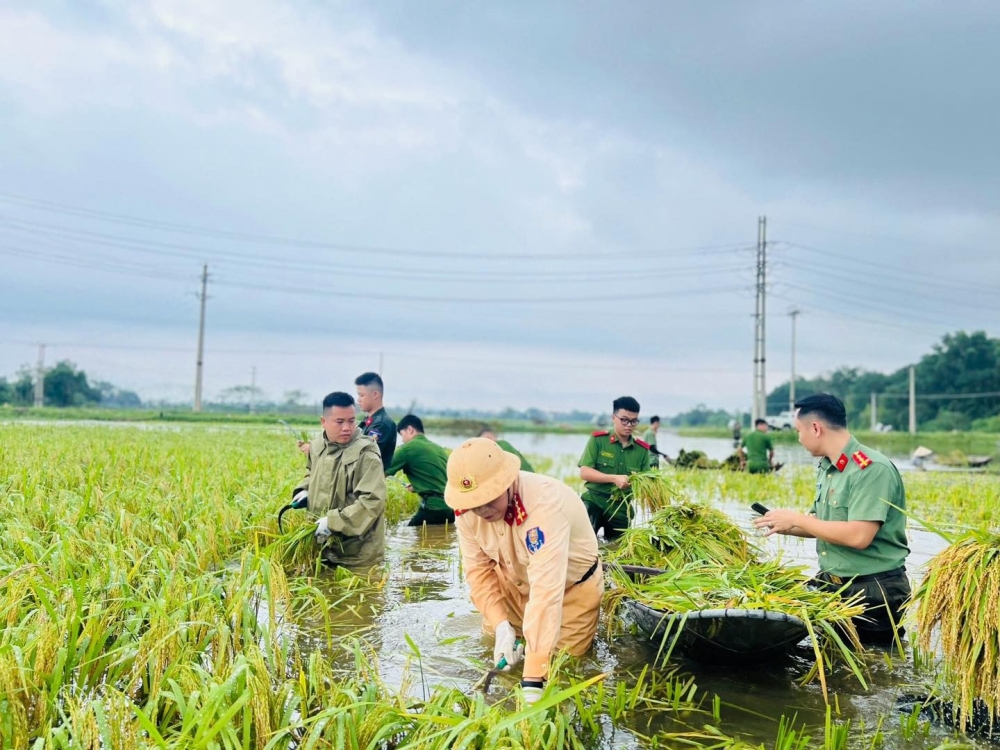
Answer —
(375, 434)
(861, 459)
(841, 462)
(607, 455)
(534, 539)
(468, 484)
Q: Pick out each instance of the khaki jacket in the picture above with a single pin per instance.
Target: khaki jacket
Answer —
(347, 482)
(522, 573)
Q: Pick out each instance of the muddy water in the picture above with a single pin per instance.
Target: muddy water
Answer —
(426, 600)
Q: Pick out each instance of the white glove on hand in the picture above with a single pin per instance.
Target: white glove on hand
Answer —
(532, 691)
(506, 647)
(322, 529)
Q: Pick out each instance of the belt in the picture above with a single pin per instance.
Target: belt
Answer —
(861, 579)
(590, 571)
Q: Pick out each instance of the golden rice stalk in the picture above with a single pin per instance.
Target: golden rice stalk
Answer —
(959, 596)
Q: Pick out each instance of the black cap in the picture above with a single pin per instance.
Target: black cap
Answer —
(826, 406)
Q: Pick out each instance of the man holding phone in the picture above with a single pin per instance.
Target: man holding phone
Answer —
(857, 519)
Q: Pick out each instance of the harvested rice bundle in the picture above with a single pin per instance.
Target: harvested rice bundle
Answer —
(682, 534)
(959, 595)
(651, 490)
(768, 586)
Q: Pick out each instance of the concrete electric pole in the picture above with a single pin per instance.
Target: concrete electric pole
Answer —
(201, 339)
(760, 327)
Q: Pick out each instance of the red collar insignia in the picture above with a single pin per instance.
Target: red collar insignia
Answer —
(841, 462)
(861, 459)
(516, 514)
(613, 438)
(368, 421)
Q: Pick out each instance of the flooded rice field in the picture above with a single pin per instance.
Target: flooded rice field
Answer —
(142, 572)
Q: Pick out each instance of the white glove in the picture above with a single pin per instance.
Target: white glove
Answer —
(506, 647)
(532, 691)
(300, 499)
(322, 529)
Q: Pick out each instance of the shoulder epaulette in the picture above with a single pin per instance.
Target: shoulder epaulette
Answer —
(861, 459)
(599, 433)
(643, 443)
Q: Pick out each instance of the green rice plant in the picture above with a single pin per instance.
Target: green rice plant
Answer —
(680, 534)
(958, 600)
(650, 490)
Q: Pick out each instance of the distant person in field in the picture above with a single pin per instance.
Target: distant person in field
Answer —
(426, 467)
(759, 455)
(608, 460)
(649, 437)
(488, 433)
(345, 486)
(858, 519)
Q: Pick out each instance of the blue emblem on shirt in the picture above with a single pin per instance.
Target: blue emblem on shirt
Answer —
(374, 434)
(535, 538)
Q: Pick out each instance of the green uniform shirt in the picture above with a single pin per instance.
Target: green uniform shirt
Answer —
(758, 445)
(426, 466)
(650, 437)
(605, 452)
(859, 487)
(525, 466)
(382, 430)
(347, 483)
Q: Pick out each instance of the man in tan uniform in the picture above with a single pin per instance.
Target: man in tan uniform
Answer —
(530, 558)
(345, 485)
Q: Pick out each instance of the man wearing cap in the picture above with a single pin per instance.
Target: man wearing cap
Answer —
(426, 467)
(345, 486)
(529, 555)
(608, 460)
(488, 433)
(857, 519)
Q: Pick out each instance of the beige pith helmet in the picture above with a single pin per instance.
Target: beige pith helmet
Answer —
(479, 471)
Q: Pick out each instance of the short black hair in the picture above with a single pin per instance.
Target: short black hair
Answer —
(654, 420)
(370, 380)
(410, 420)
(757, 422)
(625, 402)
(337, 398)
(484, 429)
(826, 406)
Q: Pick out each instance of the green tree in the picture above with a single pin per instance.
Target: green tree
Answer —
(67, 386)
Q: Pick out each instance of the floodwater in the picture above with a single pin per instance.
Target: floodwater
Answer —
(426, 600)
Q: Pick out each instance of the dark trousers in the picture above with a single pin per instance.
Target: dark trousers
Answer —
(884, 596)
(614, 519)
(432, 517)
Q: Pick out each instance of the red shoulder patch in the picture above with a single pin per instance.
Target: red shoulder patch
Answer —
(599, 433)
(861, 459)
(643, 443)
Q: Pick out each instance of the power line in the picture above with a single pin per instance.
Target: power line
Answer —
(318, 244)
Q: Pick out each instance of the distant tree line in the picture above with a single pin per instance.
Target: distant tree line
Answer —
(947, 381)
(64, 385)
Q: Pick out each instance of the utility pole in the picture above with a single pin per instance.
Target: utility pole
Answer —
(759, 380)
(874, 410)
(201, 339)
(253, 387)
(40, 378)
(913, 400)
(793, 314)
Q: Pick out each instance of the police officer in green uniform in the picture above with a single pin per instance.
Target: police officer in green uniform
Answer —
(759, 449)
(487, 433)
(426, 466)
(345, 486)
(377, 425)
(857, 519)
(608, 460)
(649, 438)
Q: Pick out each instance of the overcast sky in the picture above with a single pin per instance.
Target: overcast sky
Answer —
(518, 203)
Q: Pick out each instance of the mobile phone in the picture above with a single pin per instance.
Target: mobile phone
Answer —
(758, 508)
